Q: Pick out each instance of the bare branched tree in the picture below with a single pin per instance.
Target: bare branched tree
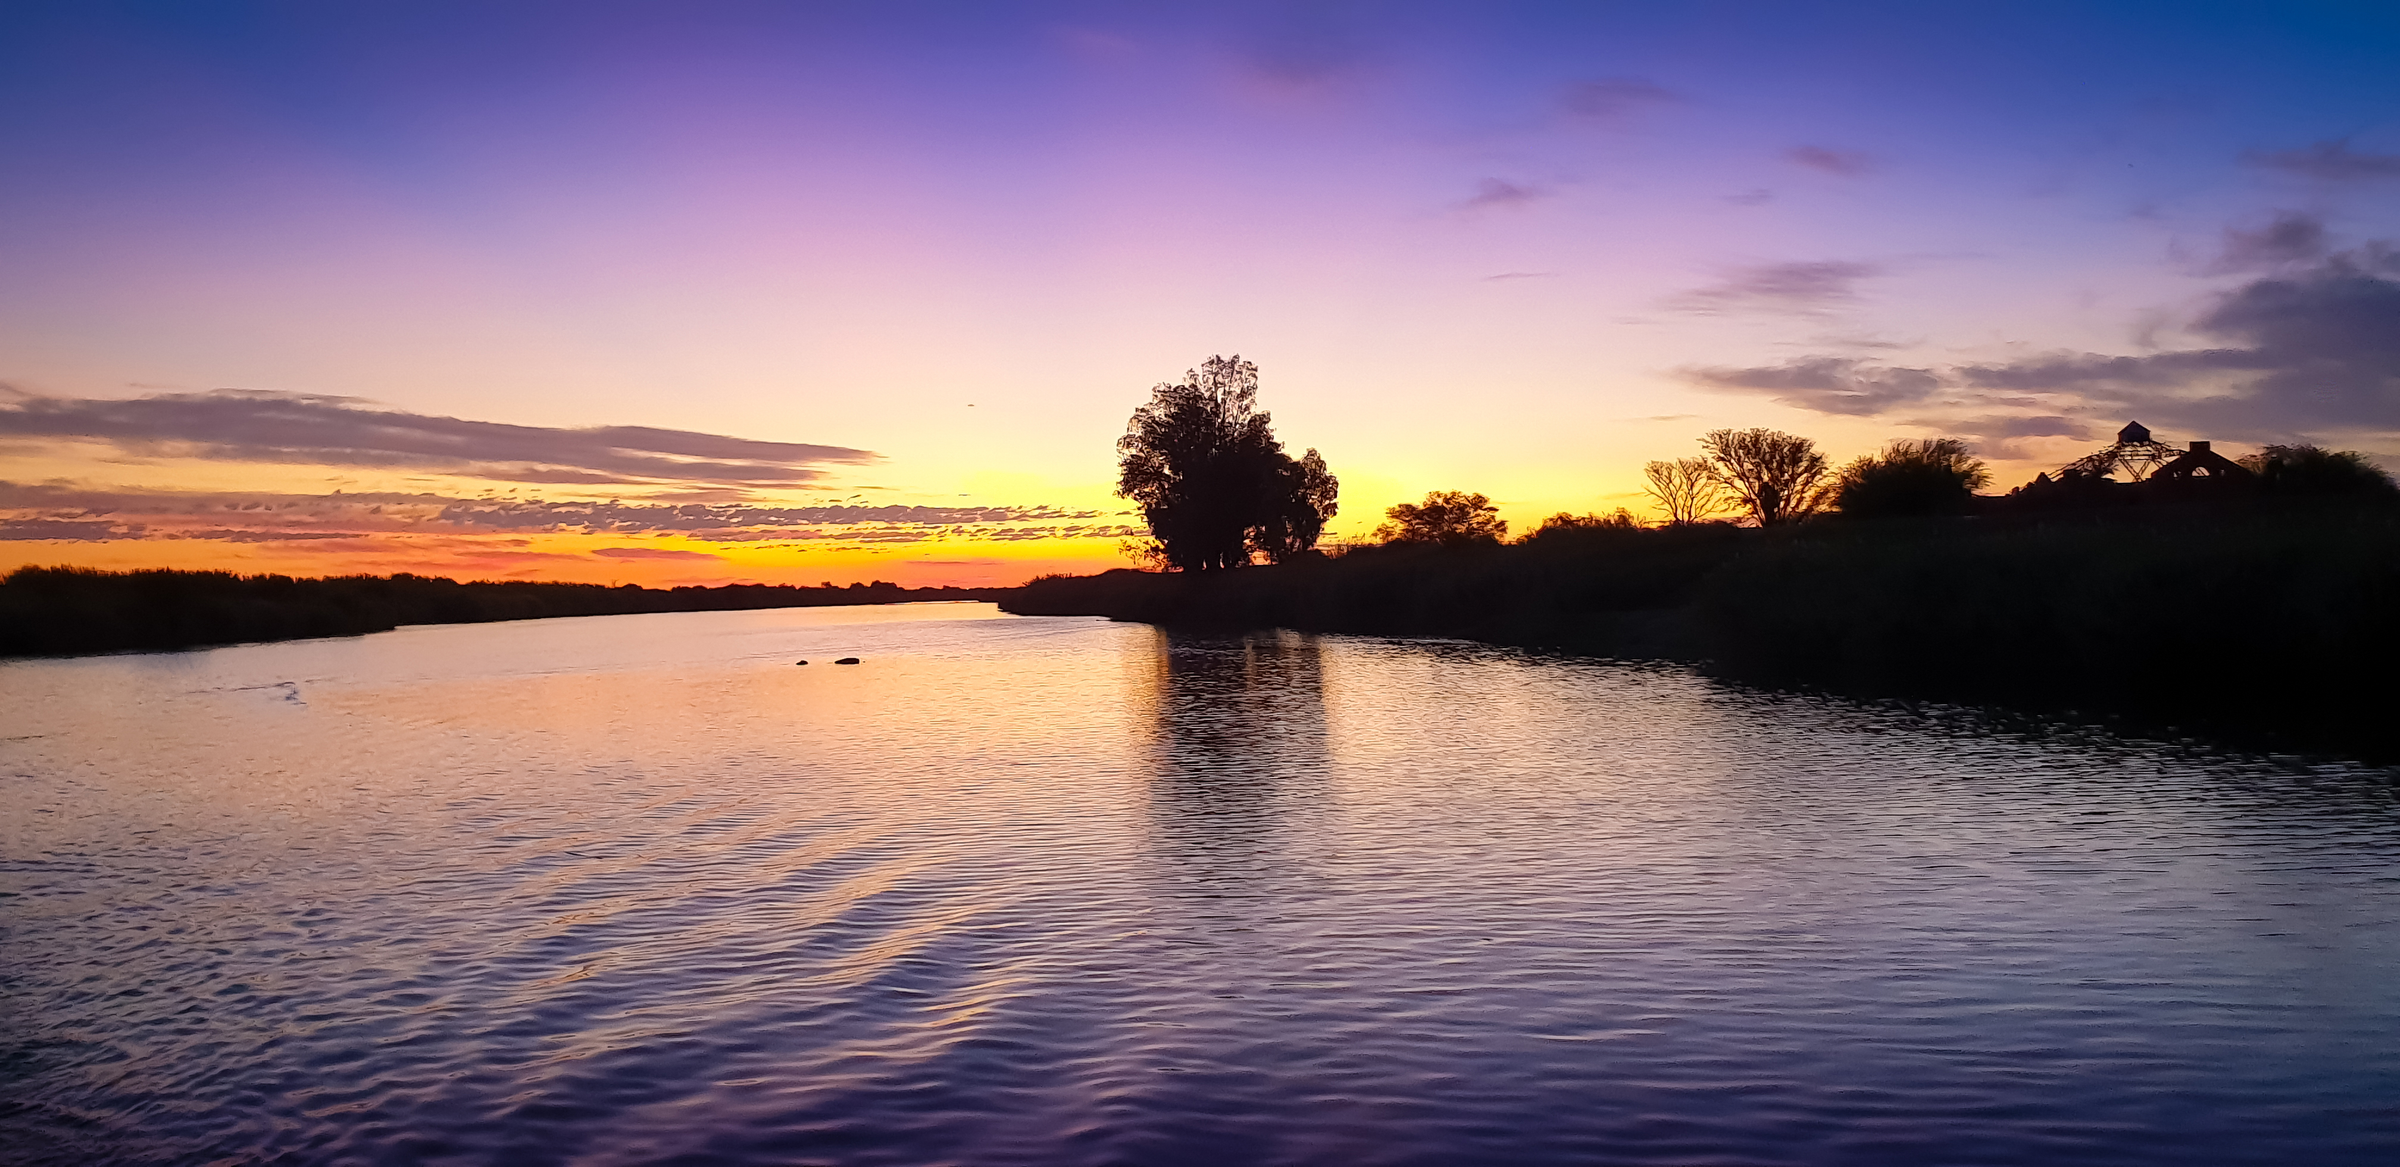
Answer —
(1687, 489)
(1778, 477)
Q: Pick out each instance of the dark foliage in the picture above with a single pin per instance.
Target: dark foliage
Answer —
(1587, 588)
(1912, 479)
(1213, 483)
(2266, 625)
(1301, 495)
(1449, 518)
(48, 611)
(2269, 626)
(2313, 472)
(1565, 524)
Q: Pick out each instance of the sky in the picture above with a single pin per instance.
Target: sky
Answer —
(704, 292)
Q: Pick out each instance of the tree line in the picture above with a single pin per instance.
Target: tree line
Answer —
(50, 611)
(1218, 492)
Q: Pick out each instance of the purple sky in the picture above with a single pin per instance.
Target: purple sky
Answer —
(1515, 249)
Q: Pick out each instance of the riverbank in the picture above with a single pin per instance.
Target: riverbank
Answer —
(2269, 628)
(53, 611)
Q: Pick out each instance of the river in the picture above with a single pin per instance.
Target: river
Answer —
(639, 889)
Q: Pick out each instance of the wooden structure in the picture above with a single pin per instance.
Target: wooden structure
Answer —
(2136, 455)
(2201, 462)
(2153, 473)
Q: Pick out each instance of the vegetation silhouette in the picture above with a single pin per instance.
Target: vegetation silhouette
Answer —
(53, 611)
(2311, 472)
(1777, 477)
(1687, 489)
(1564, 524)
(1213, 483)
(2252, 602)
(1911, 479)
(2263, 625)
(1449, 518)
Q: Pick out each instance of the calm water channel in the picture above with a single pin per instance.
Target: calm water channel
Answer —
(1043, 891)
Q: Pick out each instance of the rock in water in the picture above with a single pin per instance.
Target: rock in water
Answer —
(848, 660)
(799, 662)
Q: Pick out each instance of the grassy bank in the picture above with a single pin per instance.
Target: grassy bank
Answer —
(52, 611)
(2278, 628)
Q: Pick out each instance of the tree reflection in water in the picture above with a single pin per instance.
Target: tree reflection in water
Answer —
(1237, 757)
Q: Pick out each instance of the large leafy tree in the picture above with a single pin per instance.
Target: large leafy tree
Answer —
(1932, 477)
(1451, 518)
(1213, 483)
(2318, 472)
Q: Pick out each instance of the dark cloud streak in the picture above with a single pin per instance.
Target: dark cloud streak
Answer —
(1495, 193)
(2291, 238)
(1825, 160)
(92, 515)
(302, 429)
(2330, 161)
(2310, 350)
(1840, 385)
(1613, 98)
(1806, 288)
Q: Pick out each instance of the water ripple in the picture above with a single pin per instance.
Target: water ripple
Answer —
(1064, 892)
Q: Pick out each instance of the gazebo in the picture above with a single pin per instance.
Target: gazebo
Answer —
(2139, 469)
(2136, 455)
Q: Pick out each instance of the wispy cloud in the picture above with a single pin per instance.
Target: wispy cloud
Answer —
(86, 515)
(2290, 239)
(1608, 99)
(652, 553)
(1300, 48)
(1493, 193)
(1826, 160)
(1840, 385)
(1805, 288)
(68, 530)
(2331, 161)
(2313, 349)
(245, 425)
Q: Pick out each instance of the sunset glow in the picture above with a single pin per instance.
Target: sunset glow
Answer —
(704, 293)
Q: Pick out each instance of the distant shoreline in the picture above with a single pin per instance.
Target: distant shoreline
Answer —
(51, 612)
(2270, 628)
(2263, 628)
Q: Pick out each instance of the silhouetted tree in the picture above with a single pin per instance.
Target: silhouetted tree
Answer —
(1214, 486)
(1778, 477)
(2311, 471)
(1687, 489)
(1301, 499)
(1932, 477)
(1563, 523)
(1448, 517)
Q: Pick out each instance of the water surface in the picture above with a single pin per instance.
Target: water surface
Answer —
(639, 890)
